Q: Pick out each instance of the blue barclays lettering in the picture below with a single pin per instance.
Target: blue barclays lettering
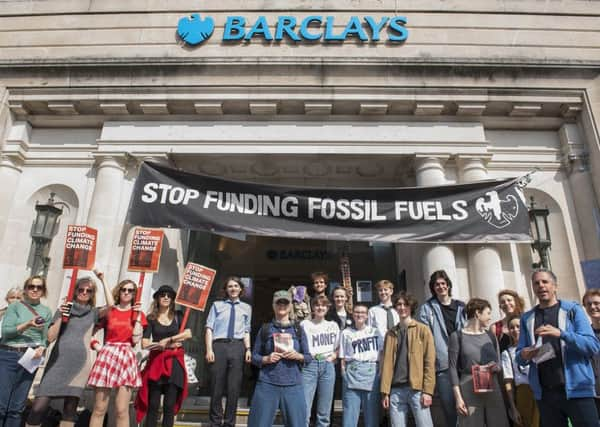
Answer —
(324, 339)
(365, 344)
(194, 30)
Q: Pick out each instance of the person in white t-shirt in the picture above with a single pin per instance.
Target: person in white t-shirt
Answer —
(360, 348)
(323, 337)
(522, 407)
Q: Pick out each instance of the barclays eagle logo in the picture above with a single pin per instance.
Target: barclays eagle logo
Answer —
(496, 212)
(194, 30)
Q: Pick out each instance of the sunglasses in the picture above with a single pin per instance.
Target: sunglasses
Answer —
(165, 295)
(282, 302)
(127, 290)
(85, 291)
(35, 287)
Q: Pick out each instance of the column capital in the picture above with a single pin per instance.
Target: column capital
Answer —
(473, 167)
(431, 157)
(115, 160)
(12, 161)
(162, 159)
(429, 169)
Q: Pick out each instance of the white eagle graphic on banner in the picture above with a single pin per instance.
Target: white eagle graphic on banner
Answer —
(498, 213)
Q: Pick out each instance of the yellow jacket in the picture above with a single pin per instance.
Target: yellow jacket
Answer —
(421, 358)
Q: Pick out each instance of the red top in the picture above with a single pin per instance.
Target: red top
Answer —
(118, 325)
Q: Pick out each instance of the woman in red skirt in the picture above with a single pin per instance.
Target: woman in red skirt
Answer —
(116, 366)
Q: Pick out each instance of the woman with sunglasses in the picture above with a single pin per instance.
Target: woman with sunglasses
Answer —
(24, 329)
(70, 362)
(164, 373)
(116, 366)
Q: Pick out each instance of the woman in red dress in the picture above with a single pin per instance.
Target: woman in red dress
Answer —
(116, 365)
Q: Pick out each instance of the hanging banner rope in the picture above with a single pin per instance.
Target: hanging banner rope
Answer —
(485, 211)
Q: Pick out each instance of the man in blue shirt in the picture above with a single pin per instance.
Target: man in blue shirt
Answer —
(227, 342)
(557, 342)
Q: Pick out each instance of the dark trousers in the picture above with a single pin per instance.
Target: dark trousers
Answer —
(555, 409)
(155, 390)
(226, 378)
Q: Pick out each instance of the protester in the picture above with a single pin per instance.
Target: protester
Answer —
(227, 340)
(24, 327)
(318, 376)
(359, 354)
(13, 295)
(337, 312)
(522, 408)
(476, 346)
(558, 335)
(383, 316)
(443, 315)
(279, 352)
(591, 302)
(116, 366)
(510, 303)
(408, 367)
(70, 361)
(320, 282)
(164, 373)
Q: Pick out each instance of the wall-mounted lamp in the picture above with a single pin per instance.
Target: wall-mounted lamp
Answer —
(540, 230)
(44, 229)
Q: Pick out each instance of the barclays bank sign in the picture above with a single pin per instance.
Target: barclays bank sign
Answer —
(195, 29)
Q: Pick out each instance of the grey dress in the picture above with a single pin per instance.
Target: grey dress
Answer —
(70, 362)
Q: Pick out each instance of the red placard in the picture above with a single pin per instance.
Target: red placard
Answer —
(80, 247)
(195, 286)
(145, 250)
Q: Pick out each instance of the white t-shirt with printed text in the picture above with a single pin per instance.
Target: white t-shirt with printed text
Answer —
(322, 338)
(363, 345)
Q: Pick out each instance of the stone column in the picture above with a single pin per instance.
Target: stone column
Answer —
(10, 172)
(171, 264)
(430, 172)
(104, 210)
(486, 276)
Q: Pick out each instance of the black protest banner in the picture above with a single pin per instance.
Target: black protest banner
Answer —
(485, 211)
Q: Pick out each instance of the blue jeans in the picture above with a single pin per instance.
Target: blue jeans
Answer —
(403, 398)
(268, 397)
(319, 376)
(14, 387)
(443, 389)
(352, 400)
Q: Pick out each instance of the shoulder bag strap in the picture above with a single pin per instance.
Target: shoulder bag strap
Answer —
(30, 308)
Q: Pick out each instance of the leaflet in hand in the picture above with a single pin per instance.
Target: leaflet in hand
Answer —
(283, 342)
(30, 363)
(544, 352)
(483, 378)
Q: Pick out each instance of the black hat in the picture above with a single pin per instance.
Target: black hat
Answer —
(162, 290)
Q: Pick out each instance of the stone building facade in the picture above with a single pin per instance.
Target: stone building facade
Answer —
(479, 89)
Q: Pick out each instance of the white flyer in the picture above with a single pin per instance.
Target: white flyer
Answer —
(30, 363)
